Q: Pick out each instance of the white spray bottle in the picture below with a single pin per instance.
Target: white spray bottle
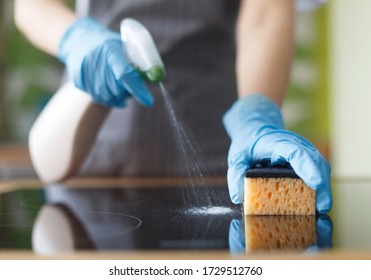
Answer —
(66, 129)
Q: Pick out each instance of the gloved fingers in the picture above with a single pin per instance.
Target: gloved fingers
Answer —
(135, 85)
(312, 168)
(115, 93)
(284, 146)
(97, 64)
(236, 175)
(306, 161)
(97, 78)
(308, 166)
(108, 91)
(126, 77)
(109, 102)
(324, 232)
(236, 237)
(324, 199)
(324, 228)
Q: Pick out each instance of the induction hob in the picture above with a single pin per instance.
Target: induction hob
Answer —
(57, 219)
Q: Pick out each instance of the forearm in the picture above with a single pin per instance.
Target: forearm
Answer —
(43, 22)
(264, 47)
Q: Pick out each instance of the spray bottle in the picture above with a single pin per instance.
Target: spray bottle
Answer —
(66, 129)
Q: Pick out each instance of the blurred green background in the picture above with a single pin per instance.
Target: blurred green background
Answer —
(306, 109)
(28, 78)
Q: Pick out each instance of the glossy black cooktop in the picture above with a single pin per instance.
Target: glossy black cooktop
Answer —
(57, 218)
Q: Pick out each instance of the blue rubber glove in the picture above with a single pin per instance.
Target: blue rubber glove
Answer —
(236, 237)
(255, 126)
(96, 63)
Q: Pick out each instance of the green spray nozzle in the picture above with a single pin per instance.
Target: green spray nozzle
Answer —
(141, 50)
(155, 74)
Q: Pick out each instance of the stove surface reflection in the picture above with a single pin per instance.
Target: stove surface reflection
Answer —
(59, 219)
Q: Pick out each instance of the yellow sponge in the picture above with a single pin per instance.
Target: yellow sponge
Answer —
(277, 191)
(284, 233)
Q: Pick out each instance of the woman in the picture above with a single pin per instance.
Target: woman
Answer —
(215, 51)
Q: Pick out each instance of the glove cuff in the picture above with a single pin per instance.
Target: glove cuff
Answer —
(252, 111)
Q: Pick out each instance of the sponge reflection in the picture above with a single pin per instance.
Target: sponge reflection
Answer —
(280, 233)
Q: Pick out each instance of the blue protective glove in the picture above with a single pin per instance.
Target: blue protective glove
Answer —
(255, 126)
(96, 62)
(236, 237)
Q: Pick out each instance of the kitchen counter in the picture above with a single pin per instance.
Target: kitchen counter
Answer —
(165, 218)
(170, 218)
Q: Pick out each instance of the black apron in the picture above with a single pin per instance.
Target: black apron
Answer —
(197, 43)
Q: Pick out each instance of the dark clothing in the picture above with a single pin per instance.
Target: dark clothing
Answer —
(196, 40)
